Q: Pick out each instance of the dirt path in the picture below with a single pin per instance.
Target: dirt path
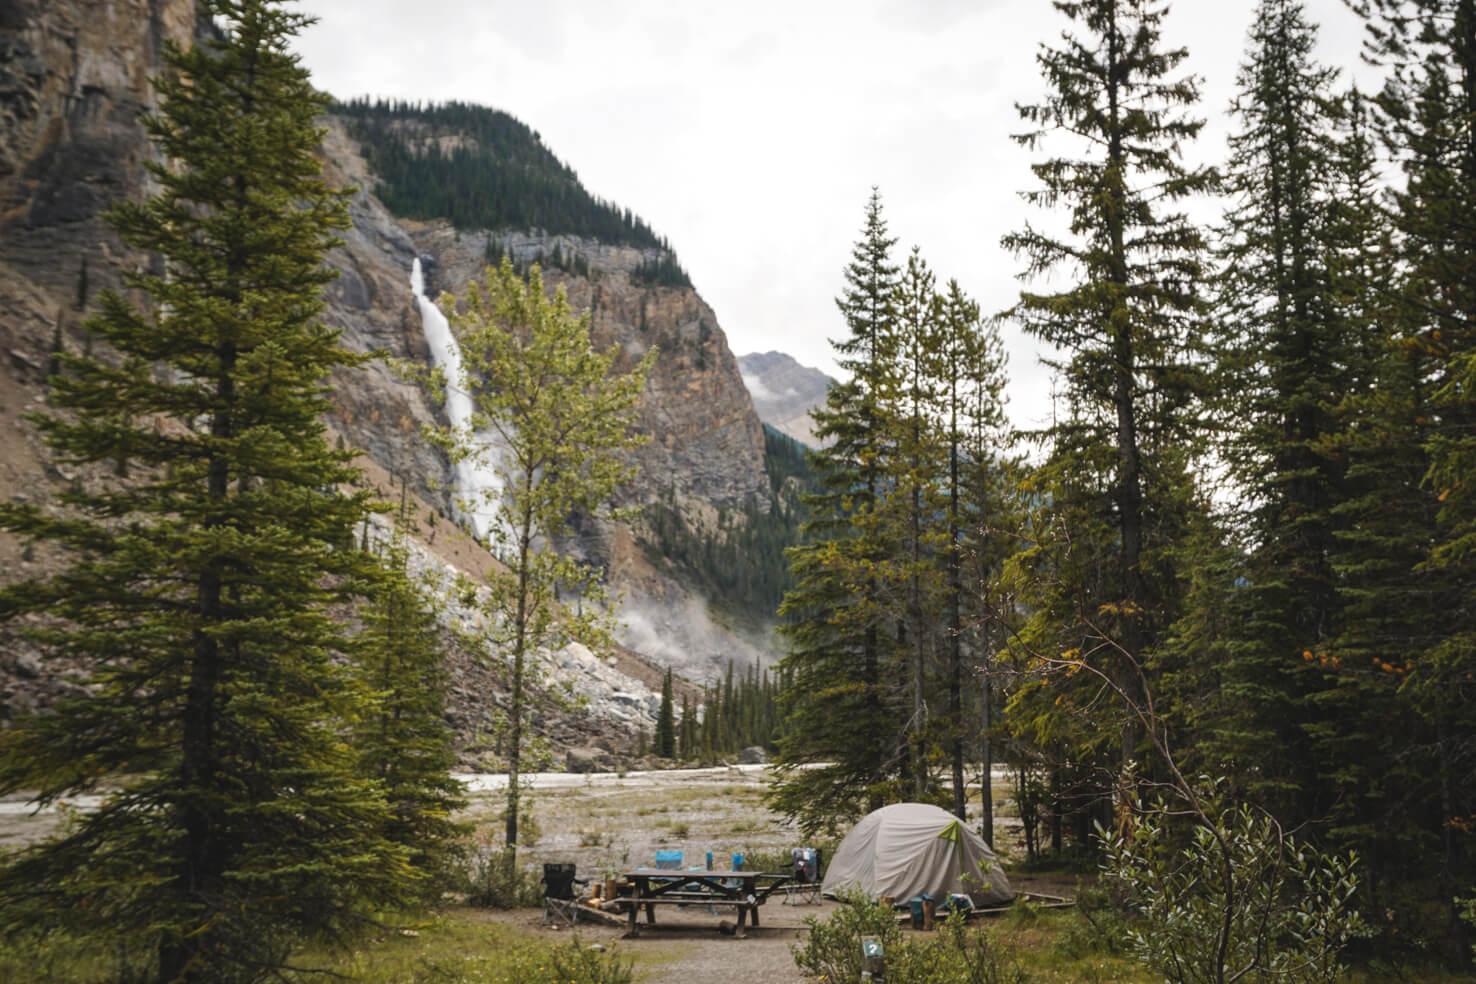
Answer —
(686, 946)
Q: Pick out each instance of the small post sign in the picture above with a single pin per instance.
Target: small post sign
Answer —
(873, 961)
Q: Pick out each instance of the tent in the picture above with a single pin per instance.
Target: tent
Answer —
(907, 849)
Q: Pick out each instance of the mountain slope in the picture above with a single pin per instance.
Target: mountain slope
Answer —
(71, 144)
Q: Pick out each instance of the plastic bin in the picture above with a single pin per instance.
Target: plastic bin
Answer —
(917, 904)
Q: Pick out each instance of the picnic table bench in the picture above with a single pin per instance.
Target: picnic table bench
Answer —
(744, 891)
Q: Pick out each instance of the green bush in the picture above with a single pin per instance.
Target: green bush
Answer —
(1095, 927)
(491, 878)
(832, 950)
(957, 954)
(1235, 898)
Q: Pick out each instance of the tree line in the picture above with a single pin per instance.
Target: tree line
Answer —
(1251, 518)
(481, 168)
(740, 564)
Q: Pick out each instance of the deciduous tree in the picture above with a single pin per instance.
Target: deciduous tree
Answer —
(562, 414)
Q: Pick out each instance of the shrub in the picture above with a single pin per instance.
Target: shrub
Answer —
(1238, 899)
(1095, 927)
(956, 955)
(492, 878)
(832, 950)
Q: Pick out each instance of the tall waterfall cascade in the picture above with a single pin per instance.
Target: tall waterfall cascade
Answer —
(478, 484)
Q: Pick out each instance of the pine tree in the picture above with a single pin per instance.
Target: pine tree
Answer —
(405, 743)
(665, 721)
(199, 591)
(838, 707)
(1287, 359)
(561, 414)
(1428, 117)
(1127, 327)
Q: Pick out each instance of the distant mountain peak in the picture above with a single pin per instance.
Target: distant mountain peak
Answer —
(784, 392)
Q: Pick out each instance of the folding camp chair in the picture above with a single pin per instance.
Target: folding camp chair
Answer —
(805, 883)
(559, 897)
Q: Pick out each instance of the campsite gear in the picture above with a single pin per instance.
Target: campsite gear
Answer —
(806, 863)
(558, 893)
(909, 849)
(669, 860)
(921, 906)
(959, 903)
(709, 860)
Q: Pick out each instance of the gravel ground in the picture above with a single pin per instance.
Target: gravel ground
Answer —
(685, 945)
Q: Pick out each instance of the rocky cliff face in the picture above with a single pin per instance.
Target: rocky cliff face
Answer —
(706, 440)
(73, 82)
(784, 392)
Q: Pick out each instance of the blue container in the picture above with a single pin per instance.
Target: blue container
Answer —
(916, 904)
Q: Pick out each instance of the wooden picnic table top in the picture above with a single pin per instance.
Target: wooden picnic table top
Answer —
(676, 886)
(672, 881)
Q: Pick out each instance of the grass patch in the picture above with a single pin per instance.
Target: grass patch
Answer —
(460, 945)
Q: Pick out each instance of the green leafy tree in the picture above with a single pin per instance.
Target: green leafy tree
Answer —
(561, 414)
(1127, 326)
(234, 822)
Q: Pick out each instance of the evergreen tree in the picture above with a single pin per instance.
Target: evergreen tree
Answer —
(405, 743)
(1428, 115)
(561, 415)
(839, 708)
(665, 721)
(1128, 328)
(911, 504)
(1288, 358)
(199, 592)
(979, 501)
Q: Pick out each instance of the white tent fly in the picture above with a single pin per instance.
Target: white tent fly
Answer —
(908, 849)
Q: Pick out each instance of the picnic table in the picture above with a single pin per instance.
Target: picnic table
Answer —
(742, 890)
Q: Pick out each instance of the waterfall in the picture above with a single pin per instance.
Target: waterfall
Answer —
(478, 485)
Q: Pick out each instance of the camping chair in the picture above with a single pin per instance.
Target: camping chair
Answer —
(559, 898)
(805, 885)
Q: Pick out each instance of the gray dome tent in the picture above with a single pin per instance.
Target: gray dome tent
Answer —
(907, 849)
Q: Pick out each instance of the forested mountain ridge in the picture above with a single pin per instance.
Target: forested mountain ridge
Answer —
(480, 168)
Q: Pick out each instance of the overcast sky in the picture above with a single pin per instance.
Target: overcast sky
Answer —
(750, 134)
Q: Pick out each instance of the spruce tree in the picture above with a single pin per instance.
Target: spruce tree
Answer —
(1287, 358)
(234, 823)
(979, 504)
(839, 707)
(403, 742)
(666, 745)
(912, 504)
(1428, 118)
(1127, 327)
